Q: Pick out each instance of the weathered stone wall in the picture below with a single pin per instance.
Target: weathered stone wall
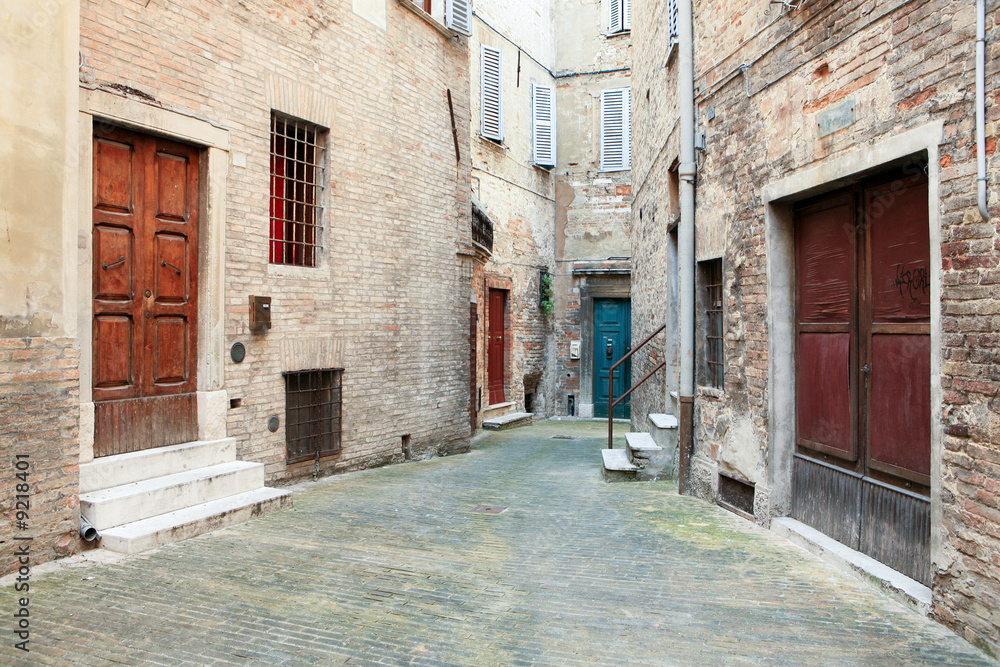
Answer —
(903, 66)
(389, 293)
(39, 355)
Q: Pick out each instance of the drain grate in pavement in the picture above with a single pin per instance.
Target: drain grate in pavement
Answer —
(490, 509)
(565, 437)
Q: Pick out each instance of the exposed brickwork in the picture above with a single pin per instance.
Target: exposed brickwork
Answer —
(903, 65)
(387, 288)
(40, 418)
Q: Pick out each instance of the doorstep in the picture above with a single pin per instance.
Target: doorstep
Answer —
(911, 593)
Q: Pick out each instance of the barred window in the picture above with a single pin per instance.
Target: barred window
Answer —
(296, 191)
(711, 278)
(312, 414)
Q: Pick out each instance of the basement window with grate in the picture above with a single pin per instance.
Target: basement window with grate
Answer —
(312, 414)
(297, 161)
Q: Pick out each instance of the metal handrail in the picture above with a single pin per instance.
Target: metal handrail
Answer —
(611, 382)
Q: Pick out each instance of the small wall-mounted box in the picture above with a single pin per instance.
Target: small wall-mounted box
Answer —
(574, 349)
(260, 313)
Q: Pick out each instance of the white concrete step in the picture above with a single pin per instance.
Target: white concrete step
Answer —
(641, 443)
(109, 471)
(617, 467)
(512, 420)
(191, 521)
(140, 500)
(663, 421)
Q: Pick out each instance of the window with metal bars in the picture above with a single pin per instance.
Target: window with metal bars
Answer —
(312, 414)
(711, 280)
(297, 156)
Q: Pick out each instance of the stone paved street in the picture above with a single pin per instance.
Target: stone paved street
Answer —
(392, 566)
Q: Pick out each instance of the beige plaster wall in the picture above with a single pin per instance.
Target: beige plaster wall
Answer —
(38, 55)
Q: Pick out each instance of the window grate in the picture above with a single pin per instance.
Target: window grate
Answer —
(312, 414)
(296, 189)
(713, 320)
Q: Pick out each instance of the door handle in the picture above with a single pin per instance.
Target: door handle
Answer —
(120, 260)
(610, 350)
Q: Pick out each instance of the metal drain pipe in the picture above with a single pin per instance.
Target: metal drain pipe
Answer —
(685, 238)
(981, 107)
(87, 530)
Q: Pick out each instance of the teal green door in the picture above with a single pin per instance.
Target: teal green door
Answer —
(612, 340)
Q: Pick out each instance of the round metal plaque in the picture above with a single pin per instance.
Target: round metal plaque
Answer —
(238, 352)
(272, 423)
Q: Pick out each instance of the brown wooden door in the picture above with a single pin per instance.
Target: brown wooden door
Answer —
(495, 345)
(145, 240)
(862, 469)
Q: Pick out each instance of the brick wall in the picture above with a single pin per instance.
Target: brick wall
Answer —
(39, 424)
(903, 65)
(387, 292)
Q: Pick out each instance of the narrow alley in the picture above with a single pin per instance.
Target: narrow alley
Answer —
(395, 565)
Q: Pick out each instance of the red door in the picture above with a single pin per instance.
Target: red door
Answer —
(145, 291)
(863, 407)
(495, 345)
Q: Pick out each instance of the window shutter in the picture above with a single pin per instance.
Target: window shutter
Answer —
(616, 16)
(626, 14)
(672, 27)
(543, 125)
(458, 16)
(613, 129)
(627, 128)
(492, 103)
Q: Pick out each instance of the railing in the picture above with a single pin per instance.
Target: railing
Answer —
(611, 382)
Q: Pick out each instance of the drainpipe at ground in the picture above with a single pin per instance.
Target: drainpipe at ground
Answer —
(685, 238)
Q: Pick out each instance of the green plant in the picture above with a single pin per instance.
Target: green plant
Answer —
(545, 295)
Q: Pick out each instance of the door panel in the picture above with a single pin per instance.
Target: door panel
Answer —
(495, 366)
(170, 352)
(900, 406)
(170, 267)
(113, 183)
(145, 287)
(612, 340)
(114, 253)
(114, 367)
(824, 393)
(826, 265)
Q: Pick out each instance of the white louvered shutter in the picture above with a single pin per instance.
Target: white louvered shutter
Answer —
(627, 128)
(626, 14)
(457, 16)
(543, 125)
(613, 129)
(492, 103)
(672, 27)
(616, 16)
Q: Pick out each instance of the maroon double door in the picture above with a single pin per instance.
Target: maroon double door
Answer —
(863, 407)
(145, 268)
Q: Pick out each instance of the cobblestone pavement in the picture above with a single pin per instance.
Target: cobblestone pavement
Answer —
(393, 566)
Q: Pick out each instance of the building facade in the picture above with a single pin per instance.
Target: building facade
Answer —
(844, 285)
(551, 172)
(260, 240)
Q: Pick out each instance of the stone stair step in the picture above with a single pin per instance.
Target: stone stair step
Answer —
(663, 421)
(512, 420)
(141, 500)
(617, 467)
(191, 521)
(641, 442)
(121, 469)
